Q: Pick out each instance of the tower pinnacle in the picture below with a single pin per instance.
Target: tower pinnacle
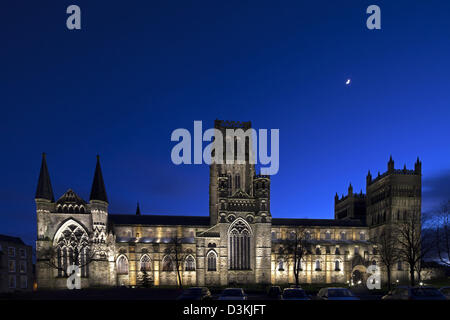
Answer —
(98, 191)
(44, 187)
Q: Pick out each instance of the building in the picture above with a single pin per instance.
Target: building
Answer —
(239, 242)
(16, 268)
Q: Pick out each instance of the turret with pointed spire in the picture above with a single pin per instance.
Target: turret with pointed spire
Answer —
(138, 210)
(368, 178)
(391, 165)
(98, 190)
(418, 166)
(44, 187)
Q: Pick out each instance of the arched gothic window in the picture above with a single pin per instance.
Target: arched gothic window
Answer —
(237, 183)
(189, 264)
(337, 266)
(212, 261)
(399, 265)
(318, 268)
(146, 263)
(318, 252)
(167, 264)
(337, 251)
(280, 265)
(122, 265)
(72, 247)
(239, 246)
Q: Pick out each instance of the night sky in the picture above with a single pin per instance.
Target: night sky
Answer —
(140, 69)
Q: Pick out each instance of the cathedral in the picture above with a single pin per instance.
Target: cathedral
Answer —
(238, 243)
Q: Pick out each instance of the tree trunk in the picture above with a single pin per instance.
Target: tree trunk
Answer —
(389, 278)
(411, 275)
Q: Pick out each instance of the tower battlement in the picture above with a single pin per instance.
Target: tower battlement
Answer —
(228, 124)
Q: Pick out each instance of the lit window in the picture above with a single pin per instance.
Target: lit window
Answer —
(212, 258)
(23, 266)
(239, 241)
(167, 264)
(190, 263)
(122, 265)
(292, 235)
(146, 263)
(12, 266)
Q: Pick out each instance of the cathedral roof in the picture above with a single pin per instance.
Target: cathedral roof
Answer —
(240, 194)
(129, 219)
(98, 191)
(44, 187)
(317, 222)
(70, 197)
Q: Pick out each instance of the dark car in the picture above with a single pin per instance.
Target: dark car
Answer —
(414, 293)
(295, 294)
(233, 294)
(274, 292)
(336, 294)
(446, 292)
(195, 293)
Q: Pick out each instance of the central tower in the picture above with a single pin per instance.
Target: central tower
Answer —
(240, 206)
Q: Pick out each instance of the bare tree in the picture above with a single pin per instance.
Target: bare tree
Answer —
(412, 248)
(441, 228)
(295, 248)
(176, 253)
(386, 241)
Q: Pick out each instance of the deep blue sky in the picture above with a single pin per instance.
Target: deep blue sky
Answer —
(140, 69)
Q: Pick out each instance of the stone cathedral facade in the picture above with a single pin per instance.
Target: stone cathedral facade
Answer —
(238, 243)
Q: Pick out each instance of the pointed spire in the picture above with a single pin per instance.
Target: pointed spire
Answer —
(44, 188)
(350, 189)
(390, 164)
(98, 191)
(138, 210)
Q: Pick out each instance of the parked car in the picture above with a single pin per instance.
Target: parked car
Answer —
(274, 292)
(414, 293)
(195, 293)
(233, 294)
(295, 294)
(446, 292)
(336, 294)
